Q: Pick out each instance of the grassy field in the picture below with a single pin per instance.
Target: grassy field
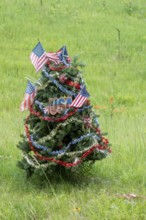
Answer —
(110, 37)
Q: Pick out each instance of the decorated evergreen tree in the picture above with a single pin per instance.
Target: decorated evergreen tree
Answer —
(61, 130)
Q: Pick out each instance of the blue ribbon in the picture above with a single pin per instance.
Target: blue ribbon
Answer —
(55, 153)
(59, 85)
(41, 107)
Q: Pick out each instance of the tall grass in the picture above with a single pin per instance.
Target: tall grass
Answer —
(115, 69)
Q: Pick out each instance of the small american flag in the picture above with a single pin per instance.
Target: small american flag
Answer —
(53, 57)
(81, 98)
(28, 97)
(38, 57)
(63, 56)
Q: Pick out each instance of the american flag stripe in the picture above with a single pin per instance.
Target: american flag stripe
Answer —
(34, 59)
(81, 98)
(54, 57)
(28, 97)
(42, 60)
(27, 102)
(79, 101)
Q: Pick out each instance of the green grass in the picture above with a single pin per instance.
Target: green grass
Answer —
(115, 68)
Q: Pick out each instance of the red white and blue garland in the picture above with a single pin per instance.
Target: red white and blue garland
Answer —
(57, 152)
(62, 88)
(97, 147)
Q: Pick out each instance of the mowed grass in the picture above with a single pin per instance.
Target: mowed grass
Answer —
(110, 37)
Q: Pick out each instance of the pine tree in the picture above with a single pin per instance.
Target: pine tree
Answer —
(57, 133)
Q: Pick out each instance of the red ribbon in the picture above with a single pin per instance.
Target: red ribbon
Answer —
(45, 118)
